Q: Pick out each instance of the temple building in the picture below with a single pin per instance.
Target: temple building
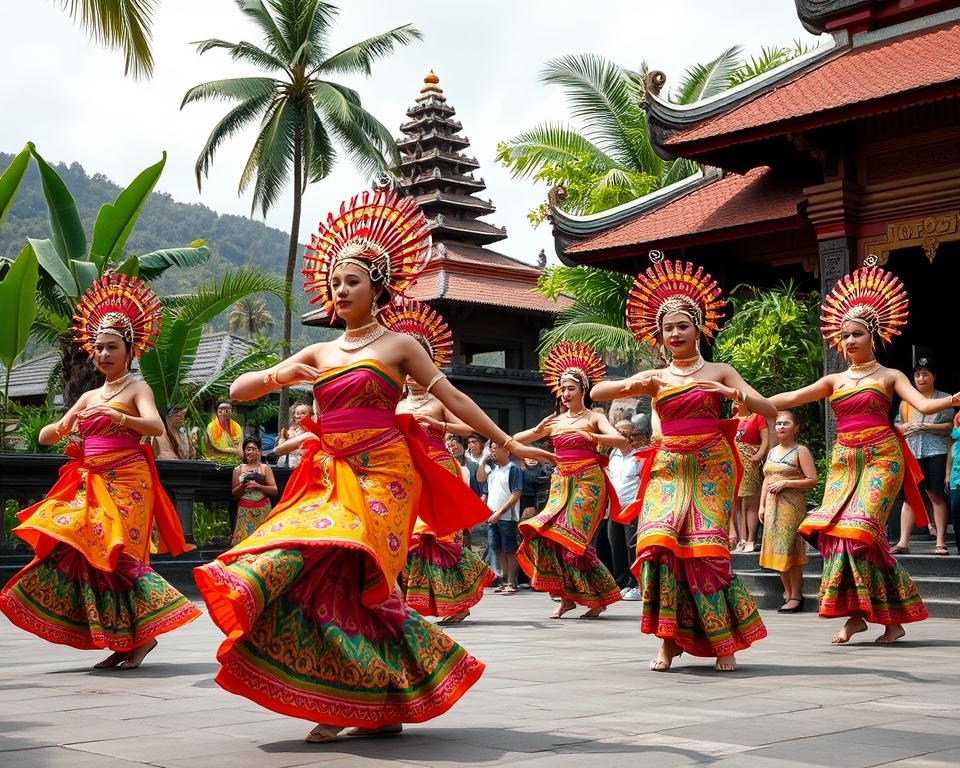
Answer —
(849, 150)
(485, 296)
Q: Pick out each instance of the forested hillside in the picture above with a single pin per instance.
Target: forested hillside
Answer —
(233, 240)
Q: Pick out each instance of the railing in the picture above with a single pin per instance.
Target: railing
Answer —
(26, 478)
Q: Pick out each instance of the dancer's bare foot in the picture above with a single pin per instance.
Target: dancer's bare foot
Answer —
(384, 730)
(112, 660)
(726, 663)
(565, 605)
(892, 633)
(322, 734)
(668, 652)
(852, 627)
(593, 613)
(455, 619)
(136, 656)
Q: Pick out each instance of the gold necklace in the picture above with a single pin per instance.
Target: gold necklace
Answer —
(678, 368)
(124, 381)
(419, 402)
(352, 340)
(864, 369)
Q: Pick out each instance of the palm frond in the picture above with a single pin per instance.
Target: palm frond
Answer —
(701, 81)
(258, 13)
(245, 52)
(123, 25)
(360, 57)
(213, 298)
(530, 151)
(275, 156)
(236, 119)
(49, 325)
(606, 335)
(218, 384)
(235, 89)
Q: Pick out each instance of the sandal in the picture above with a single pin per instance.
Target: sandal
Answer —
(941, 550)
(899, 550)
(509, 590)
(500, 588)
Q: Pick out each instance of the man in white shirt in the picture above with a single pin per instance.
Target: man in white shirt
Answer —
(624, 472)
(504, 482)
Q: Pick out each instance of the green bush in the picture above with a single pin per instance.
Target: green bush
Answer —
(209, 524)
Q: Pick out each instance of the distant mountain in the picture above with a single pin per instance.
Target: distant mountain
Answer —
(233, 240)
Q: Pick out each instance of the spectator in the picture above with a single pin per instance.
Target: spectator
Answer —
(223, 436)
(536, 483)
(504, 483)
(624, 473)
(253, 483)
(175, 443)
(298, 412)
(473, 455)
(926, 438)
(953, 479)
(455, 448)
(752, 442)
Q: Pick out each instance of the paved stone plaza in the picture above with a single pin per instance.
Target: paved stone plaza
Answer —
(555, 693)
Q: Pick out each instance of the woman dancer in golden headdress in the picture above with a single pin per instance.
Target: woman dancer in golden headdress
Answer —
(691, 599)
(442, 577)
(870, 462)
(316, 627)
(90, 584)
(557, 551)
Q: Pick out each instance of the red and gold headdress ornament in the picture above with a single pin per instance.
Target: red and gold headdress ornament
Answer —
(381, 232)
(667, 287)
(870, 296)
(121, 306)
(572, 361)
(424, 324)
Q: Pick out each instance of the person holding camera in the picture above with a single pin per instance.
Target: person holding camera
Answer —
(253, 485)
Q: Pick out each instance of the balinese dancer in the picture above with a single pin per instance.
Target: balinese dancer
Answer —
(442, 577)
(557, 551)
(870, 461)
(316, 626)
(90, 584)
(691, 599)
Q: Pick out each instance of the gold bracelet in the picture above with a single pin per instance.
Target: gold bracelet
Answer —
(123, 419)
(434, 380)
(506, 443)
(739, 398)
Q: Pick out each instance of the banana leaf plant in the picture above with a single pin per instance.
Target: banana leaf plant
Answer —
(165, 366)
(69, 264)
(17, 291)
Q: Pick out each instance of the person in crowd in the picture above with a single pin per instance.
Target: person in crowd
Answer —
(926, 438)
(504, 483)
(253, 485)
(456, 447)
(692, 600)
(298, 412)
(175, 443)
(788, 473)
(752, 443)
(624, 471)
(536, 482)
(442, 577)
(475, 447)
(557, 552)
(90, 584)
(870, 462)
(314, 620)
(953, 479)
(223, 437)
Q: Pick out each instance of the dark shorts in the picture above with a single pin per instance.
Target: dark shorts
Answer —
(934, 470)
(502, 536)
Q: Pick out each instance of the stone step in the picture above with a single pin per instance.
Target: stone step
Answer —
(917, 565)
(941, 595)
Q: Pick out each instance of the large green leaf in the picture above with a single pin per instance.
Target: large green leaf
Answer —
(55, 267)
(66, 231)
(17, 297)
(84, 272)
(10, 181)
(155, 263)
(130, 268)
(115, 222)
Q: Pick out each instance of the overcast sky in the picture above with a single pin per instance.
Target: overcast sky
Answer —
(70, 97)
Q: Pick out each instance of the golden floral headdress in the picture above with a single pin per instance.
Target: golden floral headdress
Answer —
(121, 306)
(572, 361)
(870, 296)
(381, 232)
(667, 287)
(423, 323)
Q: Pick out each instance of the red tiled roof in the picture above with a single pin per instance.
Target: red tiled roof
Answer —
(481, 289)
(860, 75)
(472, 254)
(730, 201)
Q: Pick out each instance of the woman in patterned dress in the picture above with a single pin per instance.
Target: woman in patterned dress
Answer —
(90, 584)
(870, 462)
(751, 441)
(692, 600)
(788, 474)
(314, 622)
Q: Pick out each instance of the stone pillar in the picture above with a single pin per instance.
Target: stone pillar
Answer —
(837, 256)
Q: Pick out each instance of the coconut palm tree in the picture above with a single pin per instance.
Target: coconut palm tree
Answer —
(606, 159)
(250, 317)
(119, 24)
(304, 116)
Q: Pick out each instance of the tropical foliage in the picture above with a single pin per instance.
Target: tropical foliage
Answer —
(250, 317)
(123, 25)
(303, 115)
(605, 158)
(69, 265)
